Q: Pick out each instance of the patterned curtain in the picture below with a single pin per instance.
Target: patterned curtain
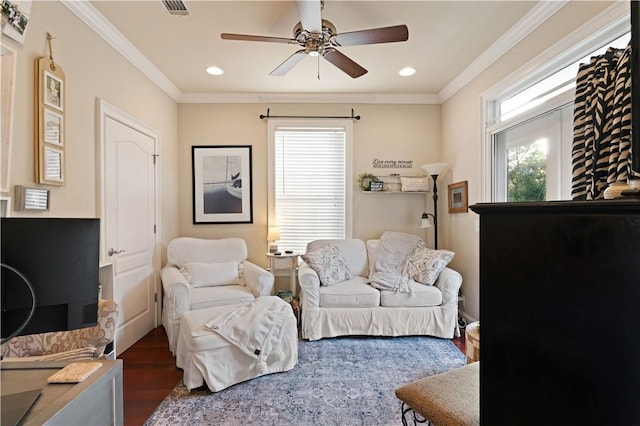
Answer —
(602, 124)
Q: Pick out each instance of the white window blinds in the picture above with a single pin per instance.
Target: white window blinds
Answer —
(309, 175)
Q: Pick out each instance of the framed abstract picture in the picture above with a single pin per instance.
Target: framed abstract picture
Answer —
(222, 183)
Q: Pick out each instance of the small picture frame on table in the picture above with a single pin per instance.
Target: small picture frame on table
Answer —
(458, 197)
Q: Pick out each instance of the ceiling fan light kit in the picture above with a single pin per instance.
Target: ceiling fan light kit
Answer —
(318, 37)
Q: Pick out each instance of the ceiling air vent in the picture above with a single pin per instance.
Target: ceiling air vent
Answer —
(175, 7)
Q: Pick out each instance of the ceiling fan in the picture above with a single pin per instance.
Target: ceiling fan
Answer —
(319, 37)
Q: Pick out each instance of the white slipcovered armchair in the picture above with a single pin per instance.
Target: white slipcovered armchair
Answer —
(202, 273)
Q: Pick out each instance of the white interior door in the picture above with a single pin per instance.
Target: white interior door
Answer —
(129, 216)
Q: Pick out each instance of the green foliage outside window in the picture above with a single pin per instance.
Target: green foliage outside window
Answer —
(527, 173)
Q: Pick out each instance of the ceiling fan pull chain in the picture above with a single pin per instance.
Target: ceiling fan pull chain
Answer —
(318, 67)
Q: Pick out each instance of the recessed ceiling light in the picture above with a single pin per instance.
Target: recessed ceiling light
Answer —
(407, 71)
(215, 71)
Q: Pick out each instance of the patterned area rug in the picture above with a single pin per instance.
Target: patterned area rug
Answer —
(339, 381)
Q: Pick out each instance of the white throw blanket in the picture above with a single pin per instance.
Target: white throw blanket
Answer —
(255, 328)
(392, 265)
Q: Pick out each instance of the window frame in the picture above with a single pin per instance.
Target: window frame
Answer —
(612, 23)
(347, 125)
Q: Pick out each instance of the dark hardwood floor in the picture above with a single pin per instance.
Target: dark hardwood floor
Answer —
(150, 373)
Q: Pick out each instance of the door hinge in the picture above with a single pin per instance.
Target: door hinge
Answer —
(155, 297)
(154, 158)
(154, 228)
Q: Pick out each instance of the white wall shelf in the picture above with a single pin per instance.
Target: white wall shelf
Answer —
(395, 192)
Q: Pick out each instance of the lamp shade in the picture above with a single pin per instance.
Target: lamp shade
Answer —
(425, 221)
(435, 168)
(273, 234)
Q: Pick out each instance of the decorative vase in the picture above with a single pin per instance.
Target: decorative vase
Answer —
(615, 190)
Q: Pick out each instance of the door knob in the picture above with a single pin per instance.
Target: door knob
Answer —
(111, 251)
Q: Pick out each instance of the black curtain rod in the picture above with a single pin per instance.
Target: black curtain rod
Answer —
(262, 116)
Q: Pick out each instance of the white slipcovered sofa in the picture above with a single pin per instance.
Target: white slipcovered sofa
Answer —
(203, 273)
(354, 307)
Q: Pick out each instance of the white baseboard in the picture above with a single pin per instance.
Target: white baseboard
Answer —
(468, 317)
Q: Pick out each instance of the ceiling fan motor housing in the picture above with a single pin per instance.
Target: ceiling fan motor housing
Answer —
(314, 43)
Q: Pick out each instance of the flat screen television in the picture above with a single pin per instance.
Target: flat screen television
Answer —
(60, 258)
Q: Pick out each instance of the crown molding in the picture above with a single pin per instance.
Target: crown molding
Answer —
(611, 23)
(525, 26)
(312, 98)
(105, 29)
(97, 22)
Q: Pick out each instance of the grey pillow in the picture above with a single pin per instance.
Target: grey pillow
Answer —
(329, 263)
(426, 264)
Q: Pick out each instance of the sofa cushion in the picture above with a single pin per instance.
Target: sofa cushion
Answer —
(426, 264)
(420, 296)
(212, 274)
(353, 250)
(207, 297)
(329, 263)
(353, 293)
(372, 255)
(182, 250)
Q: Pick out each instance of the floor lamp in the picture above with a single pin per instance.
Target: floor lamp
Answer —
(434, 170)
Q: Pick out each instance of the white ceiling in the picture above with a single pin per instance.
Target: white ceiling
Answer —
(445, 38)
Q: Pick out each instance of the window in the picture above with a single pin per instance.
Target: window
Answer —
(309, 190)
(529, 120)
(533, 157)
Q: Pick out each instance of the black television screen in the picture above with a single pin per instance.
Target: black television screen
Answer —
(60, 258)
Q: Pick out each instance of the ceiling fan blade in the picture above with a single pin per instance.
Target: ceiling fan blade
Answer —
(344, 63)
(289, 63)
(246, 37)
(372, 36)
(310, 12)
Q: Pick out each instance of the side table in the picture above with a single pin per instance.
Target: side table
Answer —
(284, 264)
(472, 338)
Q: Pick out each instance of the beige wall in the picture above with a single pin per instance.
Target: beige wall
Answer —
(93, 69)
(422, 133)
(461, 138)
(387, 132)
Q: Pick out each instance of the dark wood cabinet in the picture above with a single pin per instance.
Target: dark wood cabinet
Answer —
(559, 306)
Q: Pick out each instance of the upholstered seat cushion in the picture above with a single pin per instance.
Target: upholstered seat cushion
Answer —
(208, 358)
(450, 398)
(421, 296)
(207, 297)
(353, 293)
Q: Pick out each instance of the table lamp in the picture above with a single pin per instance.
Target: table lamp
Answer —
(273, 235)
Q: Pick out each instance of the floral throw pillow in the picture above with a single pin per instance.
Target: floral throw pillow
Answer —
(425, 264)
(329, 263)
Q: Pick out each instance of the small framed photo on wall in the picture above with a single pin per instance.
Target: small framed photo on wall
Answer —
(458, 198)
(53, 91)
